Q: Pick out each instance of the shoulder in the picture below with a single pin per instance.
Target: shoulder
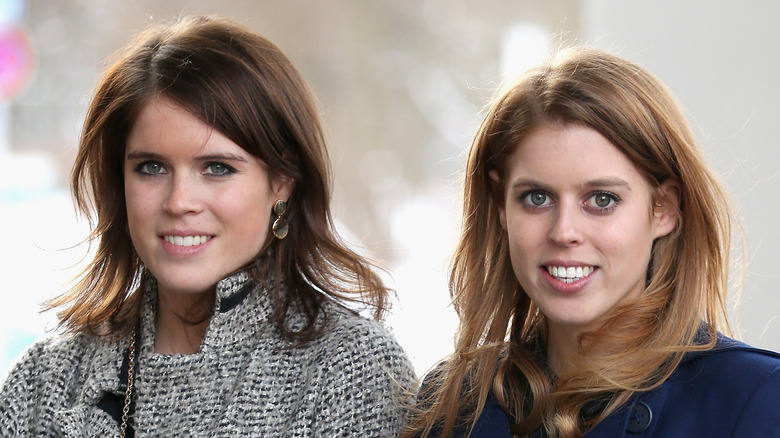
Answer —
(751, 379)
(352, 340)
(736, 359)
(46, 375)
(53, 354)
(721, 392)
(54, 358)
(737, 368)
(363, 378)
(493, 422)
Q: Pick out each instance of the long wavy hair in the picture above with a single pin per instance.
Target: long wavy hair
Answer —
(242, 85)
(500, 342)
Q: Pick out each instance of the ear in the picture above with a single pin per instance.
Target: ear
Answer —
(494, 184)
(282, 186)
(666, 208)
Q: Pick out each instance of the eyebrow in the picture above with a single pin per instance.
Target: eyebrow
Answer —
(592, 184)
(141, 155)
(608, 182)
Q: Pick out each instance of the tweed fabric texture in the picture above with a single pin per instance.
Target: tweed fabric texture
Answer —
(246, 380)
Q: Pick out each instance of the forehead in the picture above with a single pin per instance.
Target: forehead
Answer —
(163, 124)
(569, 154)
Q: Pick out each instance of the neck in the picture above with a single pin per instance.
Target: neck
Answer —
(181, 322)
(562, 347)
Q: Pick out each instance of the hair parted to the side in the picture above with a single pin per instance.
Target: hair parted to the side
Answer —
(500, 341)
(242, 85)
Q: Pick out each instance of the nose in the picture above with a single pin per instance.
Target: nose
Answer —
(183, 196)
(566, 227)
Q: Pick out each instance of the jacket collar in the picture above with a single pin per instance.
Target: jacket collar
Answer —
(240, 310)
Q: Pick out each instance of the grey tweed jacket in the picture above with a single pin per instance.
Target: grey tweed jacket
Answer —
(245, 380)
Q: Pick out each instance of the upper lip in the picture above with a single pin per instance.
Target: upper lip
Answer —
(567, 264)
(185, 233)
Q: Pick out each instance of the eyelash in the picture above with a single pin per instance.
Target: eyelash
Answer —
(228, 170)
(527, 204)
(525, 201)
(141, 168)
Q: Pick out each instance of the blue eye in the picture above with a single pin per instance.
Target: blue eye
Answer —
(603, 201)
(535, 199)
(151, 168)
(219, 169)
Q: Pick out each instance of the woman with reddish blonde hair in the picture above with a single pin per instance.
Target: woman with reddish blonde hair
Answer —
(592, 270)
(220, 300)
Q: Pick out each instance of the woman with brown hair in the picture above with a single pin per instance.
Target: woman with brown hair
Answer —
(216, 303)
(592, 270)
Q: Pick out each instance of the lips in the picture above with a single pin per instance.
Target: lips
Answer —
(187, 240)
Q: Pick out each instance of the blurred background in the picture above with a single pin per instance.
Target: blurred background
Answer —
(401, 86)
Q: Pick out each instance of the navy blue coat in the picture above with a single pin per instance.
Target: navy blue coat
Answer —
(731, 391)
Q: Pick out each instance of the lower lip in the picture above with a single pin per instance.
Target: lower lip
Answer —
(567, 288)
(177, 250)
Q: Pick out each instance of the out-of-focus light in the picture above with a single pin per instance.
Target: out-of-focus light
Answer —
(11, 11)
(27, 176)
(16, 60)
(424, 229)
(380, 170)
(524, 46)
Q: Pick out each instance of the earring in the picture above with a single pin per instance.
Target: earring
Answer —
(280, 227)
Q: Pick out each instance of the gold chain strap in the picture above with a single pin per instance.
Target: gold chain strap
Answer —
(129, 390)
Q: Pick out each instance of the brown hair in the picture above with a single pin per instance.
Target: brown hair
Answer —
(500, 342)
(242, 85)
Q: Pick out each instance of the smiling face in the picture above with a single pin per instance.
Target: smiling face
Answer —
(198, 205)
(580, 223)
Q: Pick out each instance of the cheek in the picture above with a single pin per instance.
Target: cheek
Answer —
(526, 231)
(140, 221)
(634, 240)
(525, 238)
(251, 214)
(136, 204)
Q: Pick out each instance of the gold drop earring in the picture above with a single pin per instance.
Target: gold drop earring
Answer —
(280, 227)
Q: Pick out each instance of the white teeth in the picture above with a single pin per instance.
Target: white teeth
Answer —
(570, 274)
(187, 240)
